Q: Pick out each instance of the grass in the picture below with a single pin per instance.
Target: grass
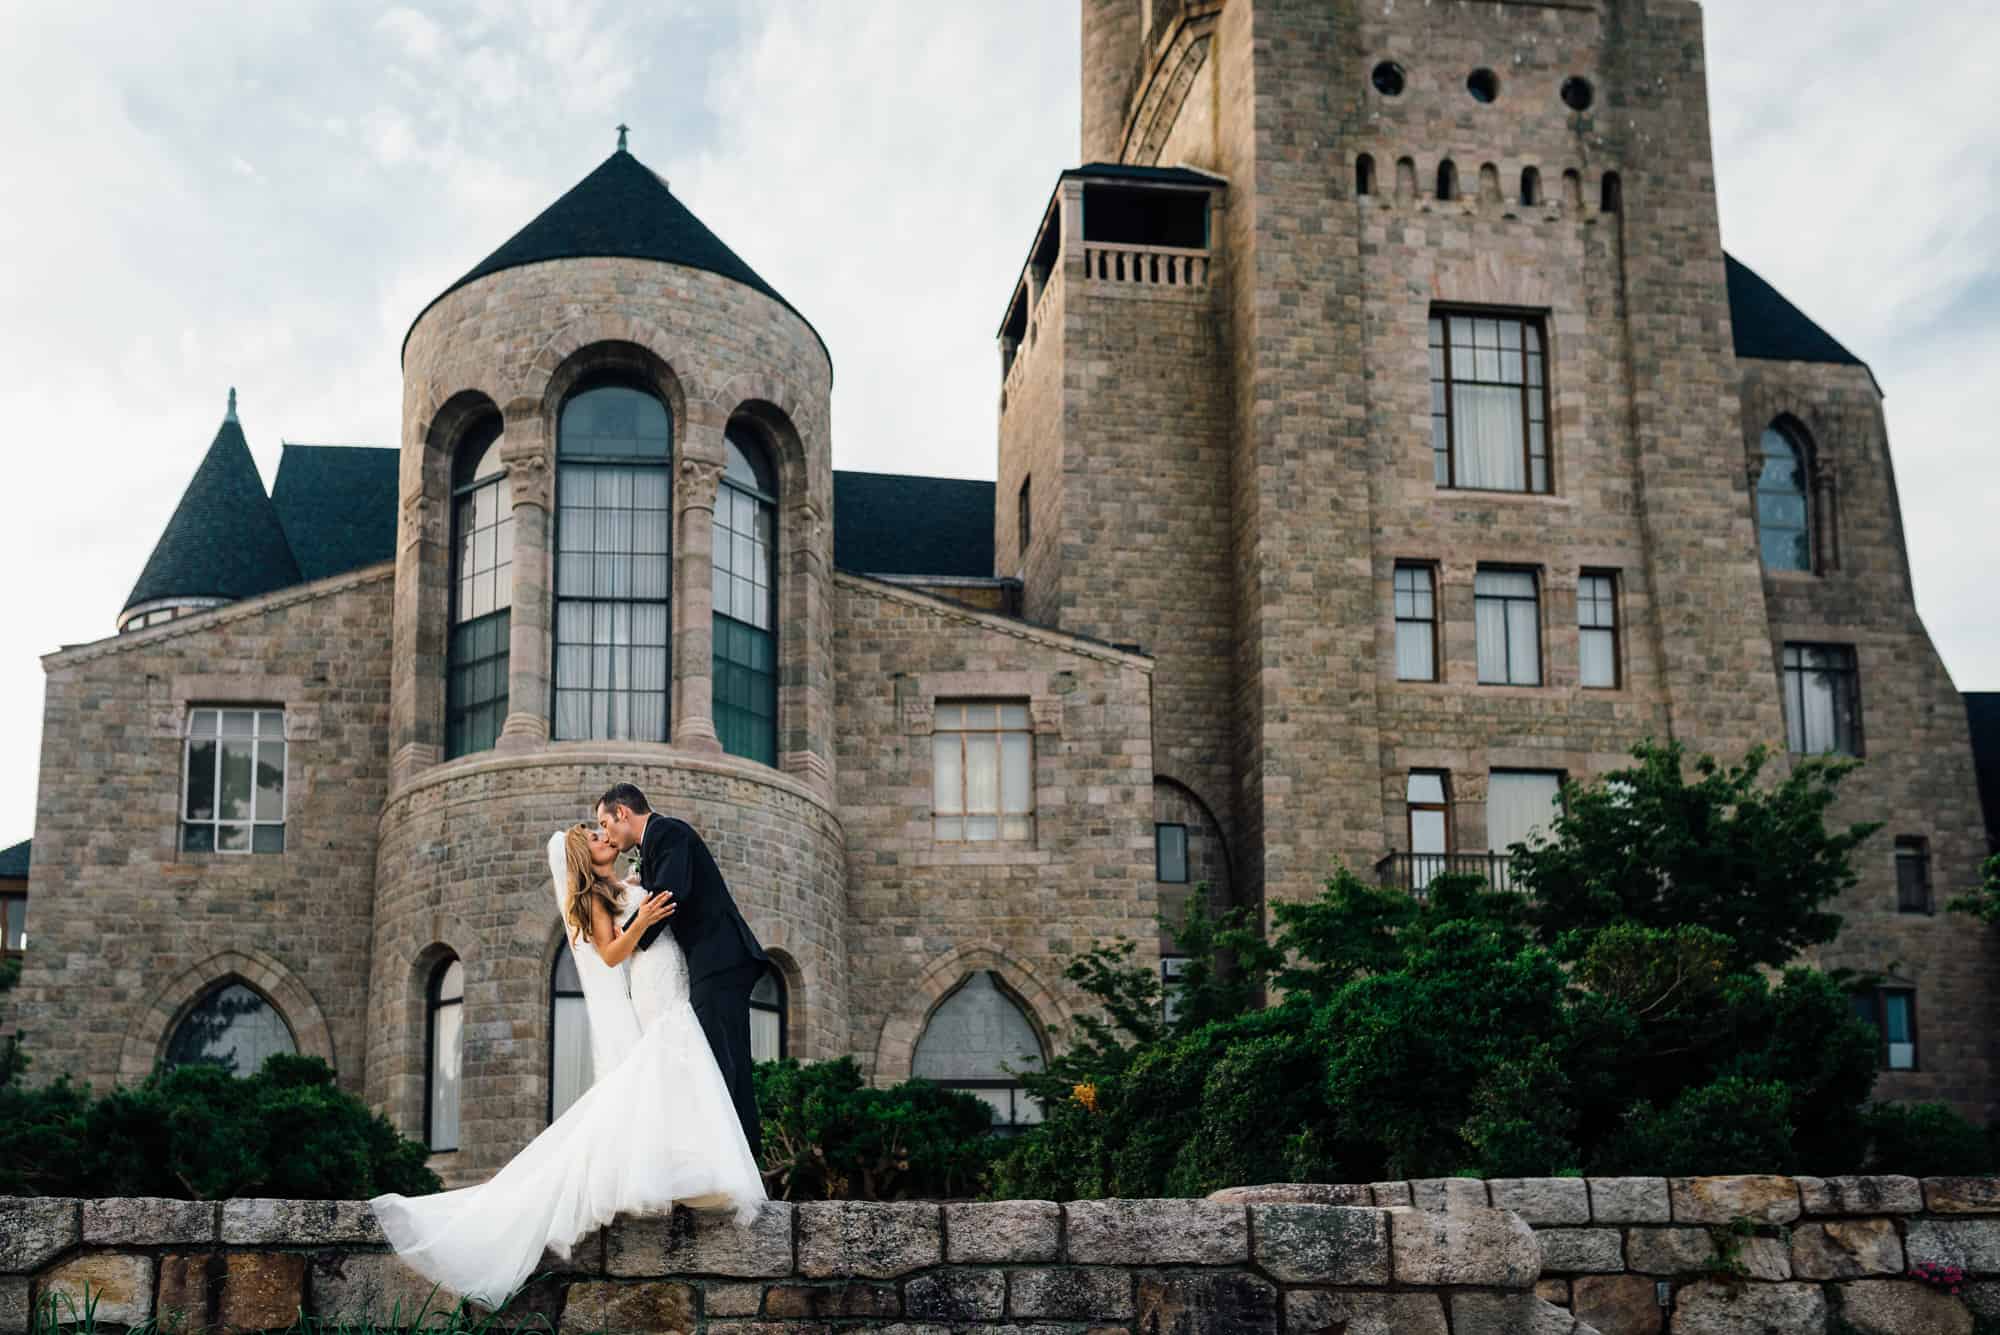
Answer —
(59, 1314)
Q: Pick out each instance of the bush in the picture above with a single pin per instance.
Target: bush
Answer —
(1734, 1125)
(828, 1136)
(1925, 1140)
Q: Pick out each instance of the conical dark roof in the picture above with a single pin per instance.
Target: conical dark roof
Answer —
(224, 540)
(620, 211)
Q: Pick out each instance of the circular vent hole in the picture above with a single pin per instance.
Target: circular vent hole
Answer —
(1577, 94)
(1484, 85)
(1388, 79)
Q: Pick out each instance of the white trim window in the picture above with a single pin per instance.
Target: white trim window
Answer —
(982, 772)
(233, 781)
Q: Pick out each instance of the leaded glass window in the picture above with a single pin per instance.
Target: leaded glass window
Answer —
(1489, 402)
(613, 566)
(482, 593)
(978, 1040)
(234, 1028)
(233, 789)
(1784, 504)
(982, 772)
(745, 587)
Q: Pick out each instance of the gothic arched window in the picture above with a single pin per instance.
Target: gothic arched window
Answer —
(482, 591)
(444, 1054)
(745, 584)
(570, 1069)
(972, 1039)
(1784, 501)
(233, 1027)
(768, 1004)
(614, 558)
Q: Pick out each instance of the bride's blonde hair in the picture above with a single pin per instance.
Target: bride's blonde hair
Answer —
(581, 884)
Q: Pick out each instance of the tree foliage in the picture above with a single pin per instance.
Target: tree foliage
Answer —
(827, 1135)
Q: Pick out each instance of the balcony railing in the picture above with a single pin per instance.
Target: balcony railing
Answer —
(1414, 872)
(1148, 266)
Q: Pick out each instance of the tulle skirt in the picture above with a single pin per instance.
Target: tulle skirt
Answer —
(656, 1130)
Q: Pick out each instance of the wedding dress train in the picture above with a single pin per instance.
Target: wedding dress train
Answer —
(655, 1127)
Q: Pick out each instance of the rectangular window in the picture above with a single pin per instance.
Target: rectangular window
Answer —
(1489, 402)
(613, 575)
(982, 772)
(1598, 659)
(1023, 514)
(1822, 704)
(13, 924)
(1429, 825)
(1892, 1012)
(1416, 623)
(1507, 627)
(1913, 874)
(1521, 807)
(1172, 969)
(1170, 854)
(233, 782)
(476, 690)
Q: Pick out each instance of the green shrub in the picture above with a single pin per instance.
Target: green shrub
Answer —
(1734, 1125)
(1925, 1140)
(827, 1135)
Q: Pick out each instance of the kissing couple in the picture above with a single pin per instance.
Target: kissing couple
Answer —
(667, 965)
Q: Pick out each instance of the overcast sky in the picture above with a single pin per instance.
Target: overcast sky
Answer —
(200, 195)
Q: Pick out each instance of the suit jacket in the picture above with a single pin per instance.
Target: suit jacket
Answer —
(705, 920)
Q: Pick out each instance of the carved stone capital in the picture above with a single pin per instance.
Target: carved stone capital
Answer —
(528, 475)
(424, 517)
(698, 481)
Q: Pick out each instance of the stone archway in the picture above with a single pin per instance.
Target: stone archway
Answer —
(146, 1037)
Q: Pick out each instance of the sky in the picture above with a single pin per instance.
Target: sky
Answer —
(204, 195)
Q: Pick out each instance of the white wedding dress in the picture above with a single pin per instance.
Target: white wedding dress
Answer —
(655, 1128)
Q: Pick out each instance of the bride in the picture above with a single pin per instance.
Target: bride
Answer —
(654, 1072)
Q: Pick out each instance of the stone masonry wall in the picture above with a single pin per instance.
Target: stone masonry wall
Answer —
(129, 932)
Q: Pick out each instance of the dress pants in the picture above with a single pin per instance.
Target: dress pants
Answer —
(721, 1004)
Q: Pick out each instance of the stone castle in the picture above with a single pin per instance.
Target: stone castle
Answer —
(1383, 437)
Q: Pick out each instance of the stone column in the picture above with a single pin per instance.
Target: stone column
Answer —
(530, 479)
(695, 483)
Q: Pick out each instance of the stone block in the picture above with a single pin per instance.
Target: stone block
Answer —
(16, 1304)
(1713, 1307)
(1296, 1193)
(1860, 1195)
(1485, 1247)
(1507, 1314)
(262, 1290)
(1162, 1232)
(360, 1287)
(1386, 1194)
(1962, 1195)
(147, 1221)
(189, 1288)
(1846, 1249)
(299, 1223)
(35, 1230)
(1971, 1244)
(759, 1327)
(1900, 1307)
(956, 1295)
(112, 1288)
(1764, 1258)
(1069, 1294)
(1629, 1200)
(1312, 1310)
(650, 1307)
(1321, 1244)
(1553, 1291)
(1761, 1198)
(1618, 1304)
(850, 1298)
(1981, 1296)
(1222, 1302)
(1542, 1201)
(690, 1242)
(1449, 1193)
(732, 1299)
(869, 1239)
(1000, 1232)
(1669, 1251)
(1581, 1250)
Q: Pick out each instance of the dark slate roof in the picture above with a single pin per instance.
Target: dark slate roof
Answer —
(896, 524)
(1120, 171)
(337, 504)
(224, 540)
(620, 211)
(1982, 711)
(14, 861)
(1768, 326)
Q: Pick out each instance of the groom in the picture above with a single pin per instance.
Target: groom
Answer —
(724, 960)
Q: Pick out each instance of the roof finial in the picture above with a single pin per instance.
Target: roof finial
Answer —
(231, 417)
(621, 137)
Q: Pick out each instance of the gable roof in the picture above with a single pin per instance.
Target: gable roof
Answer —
(14, 861)
(622, 210)
(1770, 327)
(899, 524)
(224, 540)
(337, 504)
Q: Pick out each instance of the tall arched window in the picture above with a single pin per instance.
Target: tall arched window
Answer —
(445, 1045)
(1784, 502)
(233, 1027)
(570, 1070)
(1447, 182)
(1364, 174)
(614, 557)
(1612, 199)
(482, 590)
(746, 641)
(1531, 186)
(767, 1017)
(973, 1037)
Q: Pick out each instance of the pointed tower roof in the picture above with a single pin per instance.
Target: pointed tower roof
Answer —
(620, 211)
(224, 540)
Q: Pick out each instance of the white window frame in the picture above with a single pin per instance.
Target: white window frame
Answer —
(256, 735)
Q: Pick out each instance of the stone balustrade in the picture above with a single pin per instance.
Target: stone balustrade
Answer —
(1150, 266)
(1546, 1256)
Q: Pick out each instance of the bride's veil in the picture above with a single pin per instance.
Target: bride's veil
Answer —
(614, 1024)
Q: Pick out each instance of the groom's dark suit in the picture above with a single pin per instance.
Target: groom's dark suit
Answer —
(723, 958)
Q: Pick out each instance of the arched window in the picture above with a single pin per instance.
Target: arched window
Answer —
(233, 1027)
(1784, 501)
(1531, 186)
(746, 643)
(614, 556)
(767, 1017)
(482, 590)
(1447, 185)
(1613, 199)
(445, 1045)
(973, 1037)
(570, 1071)
(1364, 174)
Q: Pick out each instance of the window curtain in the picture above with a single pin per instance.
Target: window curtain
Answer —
(571, 1068)
(1486, 437)
(1520, 806)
